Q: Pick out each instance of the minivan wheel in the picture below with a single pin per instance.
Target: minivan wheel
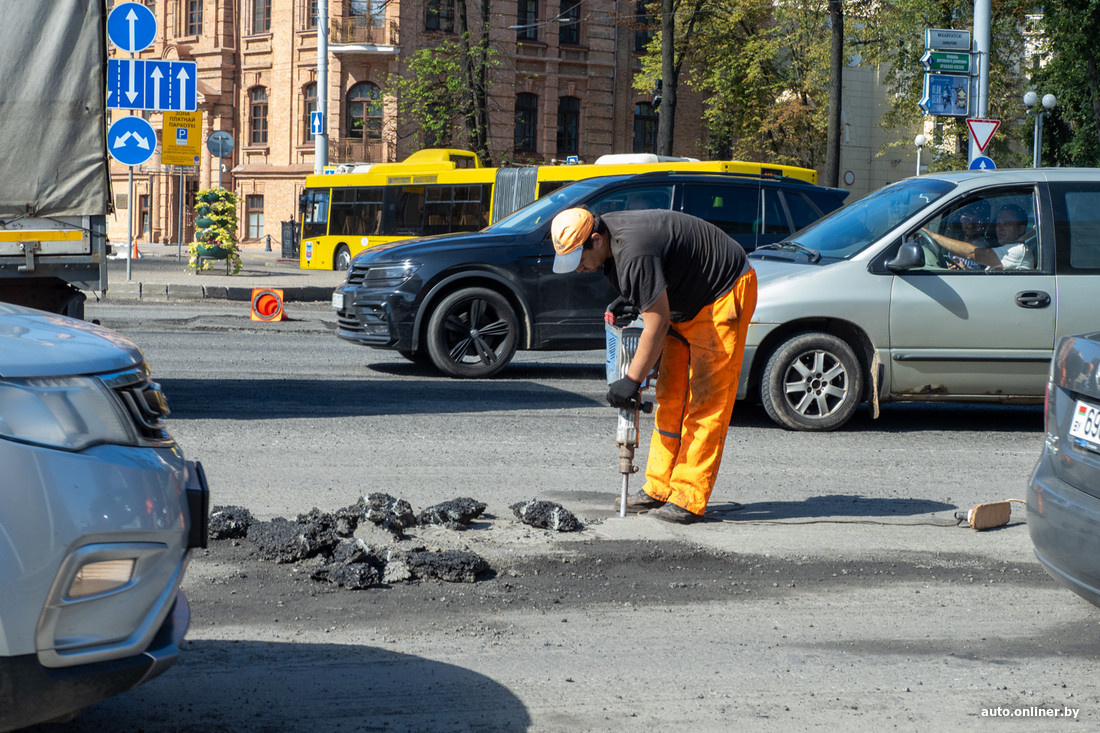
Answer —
(341, 260)
(812, 381)
(472, 333)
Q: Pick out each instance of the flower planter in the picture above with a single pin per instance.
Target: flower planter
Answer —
(203, 252)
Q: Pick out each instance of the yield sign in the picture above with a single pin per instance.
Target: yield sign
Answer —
(981, 131)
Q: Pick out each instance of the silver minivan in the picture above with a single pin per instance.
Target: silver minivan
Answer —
(946, 287)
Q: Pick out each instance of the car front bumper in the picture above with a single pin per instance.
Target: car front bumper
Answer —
(1064, 524)
(32, 693)
(378, 318)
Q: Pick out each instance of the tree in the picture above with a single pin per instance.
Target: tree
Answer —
(449, 83)
(891, 33)
(1069, 30)
(836, 70)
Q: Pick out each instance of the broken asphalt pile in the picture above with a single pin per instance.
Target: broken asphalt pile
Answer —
(359, 546)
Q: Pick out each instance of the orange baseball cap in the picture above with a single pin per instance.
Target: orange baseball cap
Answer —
(568, 231)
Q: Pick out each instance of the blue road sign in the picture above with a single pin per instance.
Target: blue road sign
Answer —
(159, 85)
(131, 26)
(982, 163)
(131, 140)
(946, 95)
(316, 123)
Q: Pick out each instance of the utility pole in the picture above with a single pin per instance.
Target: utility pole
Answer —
(320, 138)
(982, 17)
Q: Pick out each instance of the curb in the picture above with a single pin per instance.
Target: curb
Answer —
(175, 291)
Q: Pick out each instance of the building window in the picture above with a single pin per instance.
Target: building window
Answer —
(645, 128)
(526, 17)
(261, 16)
(194, 18)
(527, 107)
(643, 26)
(440, 16)
(309, 94)
(257, 121)
(254, 207)
(311, 14)
(365, 111)
(144, 218)
(569, 32)
(569, 115)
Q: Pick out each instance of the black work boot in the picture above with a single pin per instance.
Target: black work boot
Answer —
(639, 501)
(677, 515)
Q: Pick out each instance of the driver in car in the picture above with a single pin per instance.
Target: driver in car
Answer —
(1011, 250)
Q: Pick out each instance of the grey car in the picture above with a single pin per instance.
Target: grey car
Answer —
(98, 513)
(1063, 498)
(951, 287)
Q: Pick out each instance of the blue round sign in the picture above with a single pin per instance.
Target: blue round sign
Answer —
(131, 140)
(131, 26)
(982, 163)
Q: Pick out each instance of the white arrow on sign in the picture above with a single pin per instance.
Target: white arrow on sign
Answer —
(156, 77)
(981, 131)
(183, 76)
(131, 93)
(123, 140)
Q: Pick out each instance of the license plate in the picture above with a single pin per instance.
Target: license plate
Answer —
(1086, 424)
(338, 301)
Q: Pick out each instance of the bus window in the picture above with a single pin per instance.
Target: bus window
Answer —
(315, 210)
(356, 211)
(455, 208)
(408, 220)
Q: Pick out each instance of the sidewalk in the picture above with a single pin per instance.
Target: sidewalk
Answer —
(158, 276)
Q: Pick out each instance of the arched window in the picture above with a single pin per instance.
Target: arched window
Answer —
(645, 128)
(365, 111)
(257, 116)
(569, 116)
(527, 107)
(309, 96)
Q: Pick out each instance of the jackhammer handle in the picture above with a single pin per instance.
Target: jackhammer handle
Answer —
(646, 407)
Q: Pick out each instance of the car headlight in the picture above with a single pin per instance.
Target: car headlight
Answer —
(71, 413)
(389, 275)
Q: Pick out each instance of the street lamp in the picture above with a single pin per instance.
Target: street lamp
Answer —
(1049, 101)
(920, 141)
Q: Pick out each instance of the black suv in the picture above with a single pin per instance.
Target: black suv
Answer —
(466, 302)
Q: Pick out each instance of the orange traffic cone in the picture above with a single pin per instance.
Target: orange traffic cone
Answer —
(267, 305)
(134, 254)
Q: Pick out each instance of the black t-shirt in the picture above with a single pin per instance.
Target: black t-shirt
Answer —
(655, 251)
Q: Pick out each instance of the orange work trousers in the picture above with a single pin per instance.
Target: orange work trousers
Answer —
(696, 388)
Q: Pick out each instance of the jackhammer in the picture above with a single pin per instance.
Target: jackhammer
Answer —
(622, 330)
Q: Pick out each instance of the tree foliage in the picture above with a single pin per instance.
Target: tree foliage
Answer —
(892, 33)
(1070, 29)
(443, 91)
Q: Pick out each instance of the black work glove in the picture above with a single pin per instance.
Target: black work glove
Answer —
(623, 393)
(622, 311)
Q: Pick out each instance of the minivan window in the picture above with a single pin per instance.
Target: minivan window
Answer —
(1077, 226)
(853, 228)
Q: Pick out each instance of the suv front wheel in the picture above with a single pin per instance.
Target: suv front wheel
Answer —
(812, 381)
(473, 333)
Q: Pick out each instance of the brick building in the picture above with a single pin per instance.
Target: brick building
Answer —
(563, 87)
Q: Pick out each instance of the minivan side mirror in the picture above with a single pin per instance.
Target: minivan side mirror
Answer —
(909, 257)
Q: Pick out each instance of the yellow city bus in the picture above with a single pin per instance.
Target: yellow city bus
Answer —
(436, 191)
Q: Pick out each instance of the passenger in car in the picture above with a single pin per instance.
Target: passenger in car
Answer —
(1014, 249)
(696, 292)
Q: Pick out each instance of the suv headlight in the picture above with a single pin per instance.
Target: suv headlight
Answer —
(71, 413)
(389, 275)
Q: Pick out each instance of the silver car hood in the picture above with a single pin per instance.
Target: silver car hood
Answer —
(38, 344)
(769, 271)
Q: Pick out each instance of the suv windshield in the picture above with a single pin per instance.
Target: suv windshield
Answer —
(862, 222)
(544, 209)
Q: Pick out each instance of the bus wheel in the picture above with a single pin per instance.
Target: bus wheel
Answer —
(472, 333)
(341, 259)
